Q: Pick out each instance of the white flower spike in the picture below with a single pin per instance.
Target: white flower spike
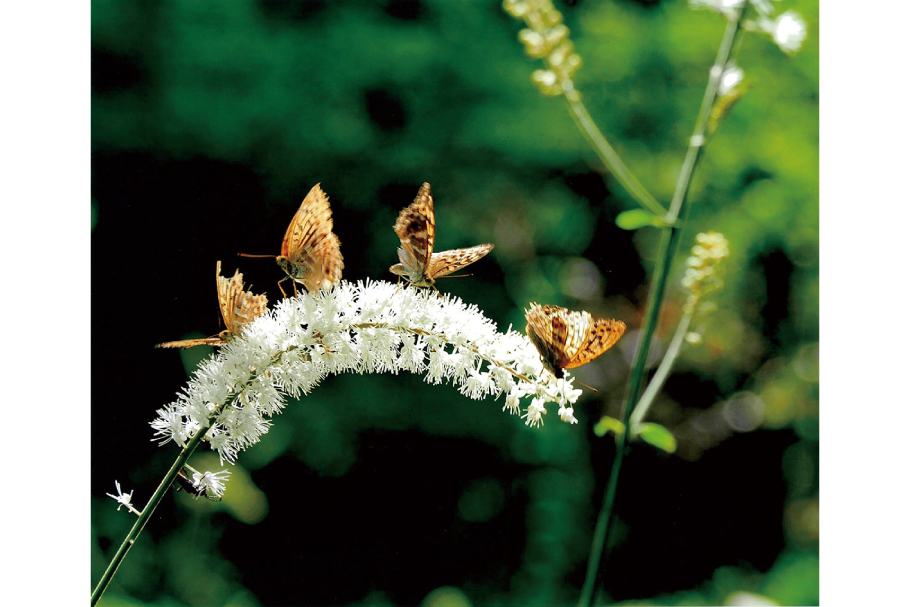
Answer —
(372, 327)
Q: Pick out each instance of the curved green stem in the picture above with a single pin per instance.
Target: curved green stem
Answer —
(669, 239)
(156, 498)
(663, 371)
(146, 514)
(609, 157)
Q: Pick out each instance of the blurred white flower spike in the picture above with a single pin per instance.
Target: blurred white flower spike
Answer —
(372, 327)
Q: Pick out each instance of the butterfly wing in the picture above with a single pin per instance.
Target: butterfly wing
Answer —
(600, 337)
(567, 339)
(191, 343)
(547, 330)
(238, 307)
(445, 262)
(229, 292)
(416, 229)
(310, 248)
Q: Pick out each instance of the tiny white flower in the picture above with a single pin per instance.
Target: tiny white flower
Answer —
(789, 31)
(731, 77)
(534, 415)
(567, 414)
(124, 499)
(513, 401)
(693, 337)
(211, 483)
(545, 77)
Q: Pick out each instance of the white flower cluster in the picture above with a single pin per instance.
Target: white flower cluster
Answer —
(787, 29)
(372, 327)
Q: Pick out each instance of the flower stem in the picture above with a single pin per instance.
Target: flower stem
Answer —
(146, 514)
(663, 371)
(669, 240)
(609, 157)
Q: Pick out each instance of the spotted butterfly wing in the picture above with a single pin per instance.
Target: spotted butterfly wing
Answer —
(567, 339)
(238, 307)
(416, 229)
(444, 263)
(310, 251)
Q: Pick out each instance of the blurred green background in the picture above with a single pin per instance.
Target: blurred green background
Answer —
(210, 122)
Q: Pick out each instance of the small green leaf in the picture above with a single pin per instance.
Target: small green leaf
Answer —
(638, 218)
(608, 424)
(657, 435)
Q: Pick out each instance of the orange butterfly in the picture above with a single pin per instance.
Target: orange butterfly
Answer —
(310, 251)
(416, 229)
(238, 307)
(567, 339)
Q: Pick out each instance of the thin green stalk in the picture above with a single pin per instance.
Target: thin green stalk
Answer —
(669, 240)
(609, 157)
(614, 164)
(147, 512)
(663, 371)
(153, 502)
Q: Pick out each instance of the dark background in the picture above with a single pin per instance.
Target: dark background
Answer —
(211, 121)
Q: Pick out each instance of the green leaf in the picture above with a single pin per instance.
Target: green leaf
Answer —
(638, 218)
(657, 435)
(608, 424)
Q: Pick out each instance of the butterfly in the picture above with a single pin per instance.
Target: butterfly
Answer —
(238, 307)
(310, 251)
(567, 339)
(416, 228)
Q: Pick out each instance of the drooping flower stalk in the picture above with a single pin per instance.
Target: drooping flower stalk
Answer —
(373, 327)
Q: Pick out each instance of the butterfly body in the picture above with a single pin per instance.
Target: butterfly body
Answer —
(238, 308)
(416, 229)
(567, 339)
(310, 251)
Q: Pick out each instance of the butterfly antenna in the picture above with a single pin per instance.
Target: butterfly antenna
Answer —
(585, 385)
(457, 276)
(248, 255)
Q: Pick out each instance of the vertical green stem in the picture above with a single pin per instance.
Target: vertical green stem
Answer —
(146, 515)
(669, 240)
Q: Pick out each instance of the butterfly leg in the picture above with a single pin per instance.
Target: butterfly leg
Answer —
(285, 295)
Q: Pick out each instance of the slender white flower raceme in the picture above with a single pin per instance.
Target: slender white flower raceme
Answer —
(373, 327)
